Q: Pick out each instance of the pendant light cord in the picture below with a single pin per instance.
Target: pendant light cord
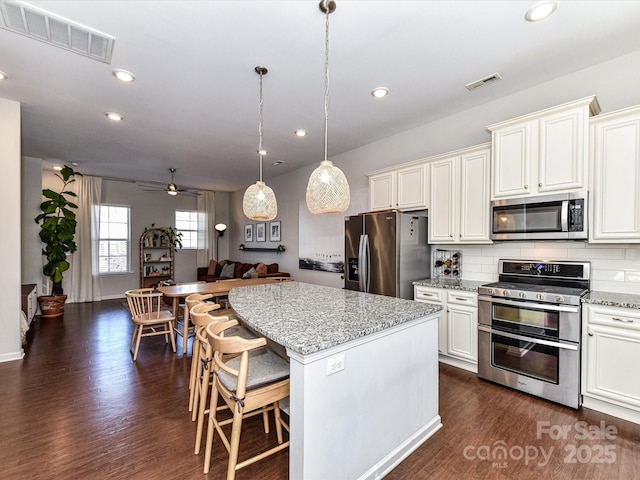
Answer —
(326, 86)
(260, 127)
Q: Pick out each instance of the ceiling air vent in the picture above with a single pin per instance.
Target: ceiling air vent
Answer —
(483, 81)
(33, 22)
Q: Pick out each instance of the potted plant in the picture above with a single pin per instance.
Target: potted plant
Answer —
(57, 230)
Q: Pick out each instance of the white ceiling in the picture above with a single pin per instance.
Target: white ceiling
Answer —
(194, 104)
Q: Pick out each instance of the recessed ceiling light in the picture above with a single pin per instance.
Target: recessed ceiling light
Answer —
(3, 76)
(57, 167)
(116, 117)
(301, 133)
(380, 92)
(540, 11)
(124, 75)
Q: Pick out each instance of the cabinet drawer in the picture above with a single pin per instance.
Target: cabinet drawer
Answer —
(462, 298)
(426, 294)
(614, 317)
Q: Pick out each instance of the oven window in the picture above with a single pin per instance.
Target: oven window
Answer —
(539, 322)
(527, 358)
(538, 217)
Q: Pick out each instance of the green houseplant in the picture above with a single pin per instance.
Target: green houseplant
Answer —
(57, 231)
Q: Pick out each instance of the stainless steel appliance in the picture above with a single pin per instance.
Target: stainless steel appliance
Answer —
(386, 252)
(529, 327)
(561, 216)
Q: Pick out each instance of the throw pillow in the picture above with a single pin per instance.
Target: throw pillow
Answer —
(250, 273)
(261, 269)
(272, 268)
(227, 270)
(212, 267)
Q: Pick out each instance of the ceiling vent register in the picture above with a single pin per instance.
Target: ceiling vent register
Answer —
(41, 25)
(483, 81)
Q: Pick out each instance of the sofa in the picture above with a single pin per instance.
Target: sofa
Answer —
(226, 269)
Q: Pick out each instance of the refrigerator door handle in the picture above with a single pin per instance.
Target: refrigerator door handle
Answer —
(363, 263)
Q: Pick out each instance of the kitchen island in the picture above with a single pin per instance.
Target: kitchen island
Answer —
(364, 374)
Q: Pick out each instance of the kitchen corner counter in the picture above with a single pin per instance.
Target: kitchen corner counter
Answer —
(612, 299)
(466, 285)
(307, 318)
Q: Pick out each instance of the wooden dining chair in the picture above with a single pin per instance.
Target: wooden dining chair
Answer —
(149, 317)
(251, 379)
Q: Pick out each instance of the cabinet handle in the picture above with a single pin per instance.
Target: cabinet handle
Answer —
(451, 236)
(591, 334)
(540, 184)
(623, 320)
(462, 299)
(526, 187)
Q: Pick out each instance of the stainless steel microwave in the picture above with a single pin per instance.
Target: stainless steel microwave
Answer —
(546, 217)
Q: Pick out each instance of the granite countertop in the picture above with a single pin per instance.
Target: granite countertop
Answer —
(612, 299)
(308, 318)
(468, 285)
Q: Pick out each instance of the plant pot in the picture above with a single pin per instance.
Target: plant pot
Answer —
(52, 306)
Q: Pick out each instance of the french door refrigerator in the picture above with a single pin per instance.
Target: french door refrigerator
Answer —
(386, 252)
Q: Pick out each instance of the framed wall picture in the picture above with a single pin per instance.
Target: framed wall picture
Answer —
(261, 232)
(274, 231)
(248, 233)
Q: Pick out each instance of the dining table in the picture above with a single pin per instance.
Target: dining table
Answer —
(219, 288)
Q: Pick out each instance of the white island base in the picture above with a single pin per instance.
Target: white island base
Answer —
(362, 421)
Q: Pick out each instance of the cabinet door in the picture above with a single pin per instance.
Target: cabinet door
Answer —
(616, 170)
(382, 191)
(442, 212)
(474, 197)
(412, 187)
(435, 296)
(562, 150)
(462, 332)
(611, 357)
(511, 161)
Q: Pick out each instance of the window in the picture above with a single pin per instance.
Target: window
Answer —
(114, 239)
(187, 224)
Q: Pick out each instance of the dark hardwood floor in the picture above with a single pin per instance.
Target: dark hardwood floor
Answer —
(77, 406)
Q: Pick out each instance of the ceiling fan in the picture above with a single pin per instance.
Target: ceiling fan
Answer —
(171, 188)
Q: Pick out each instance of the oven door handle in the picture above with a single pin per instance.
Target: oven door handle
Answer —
(517, 303)
(567, 346)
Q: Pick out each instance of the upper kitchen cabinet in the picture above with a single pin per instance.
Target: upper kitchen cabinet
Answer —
(404, 188)
(615, 189)
(459, 204)
(544, 152)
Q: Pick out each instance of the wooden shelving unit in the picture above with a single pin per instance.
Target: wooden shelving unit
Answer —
(157, 257)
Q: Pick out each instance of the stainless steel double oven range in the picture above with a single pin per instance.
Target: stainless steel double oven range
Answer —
(529, 328)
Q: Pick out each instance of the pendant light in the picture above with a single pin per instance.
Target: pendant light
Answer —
(259, 202)
(328, 189)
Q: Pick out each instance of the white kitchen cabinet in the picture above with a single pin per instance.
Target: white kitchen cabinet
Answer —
(610, 353)
(462, 325)
(544, 152)
(459, 204)
(615, 191)
(458, 325)
(404, 188)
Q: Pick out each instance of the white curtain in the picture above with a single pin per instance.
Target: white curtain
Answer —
(206, 231)
(80, 283)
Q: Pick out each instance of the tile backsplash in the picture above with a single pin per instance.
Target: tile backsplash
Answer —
(614, 268)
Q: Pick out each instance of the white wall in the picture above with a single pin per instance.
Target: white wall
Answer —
(10, 341)
(31, 197)
(613, 82)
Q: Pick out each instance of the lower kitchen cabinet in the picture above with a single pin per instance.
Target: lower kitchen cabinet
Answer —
(458, 326)
(610, 353)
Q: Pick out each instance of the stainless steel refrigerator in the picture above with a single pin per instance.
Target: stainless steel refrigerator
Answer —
(385, 252)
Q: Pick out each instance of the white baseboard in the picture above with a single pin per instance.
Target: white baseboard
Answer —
(11, 356)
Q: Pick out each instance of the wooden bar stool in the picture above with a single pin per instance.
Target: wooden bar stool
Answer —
(149, 317)
(250, 384)
(201, 315)
(190, 302)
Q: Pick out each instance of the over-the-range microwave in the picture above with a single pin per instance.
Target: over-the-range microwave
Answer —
(547, 217)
